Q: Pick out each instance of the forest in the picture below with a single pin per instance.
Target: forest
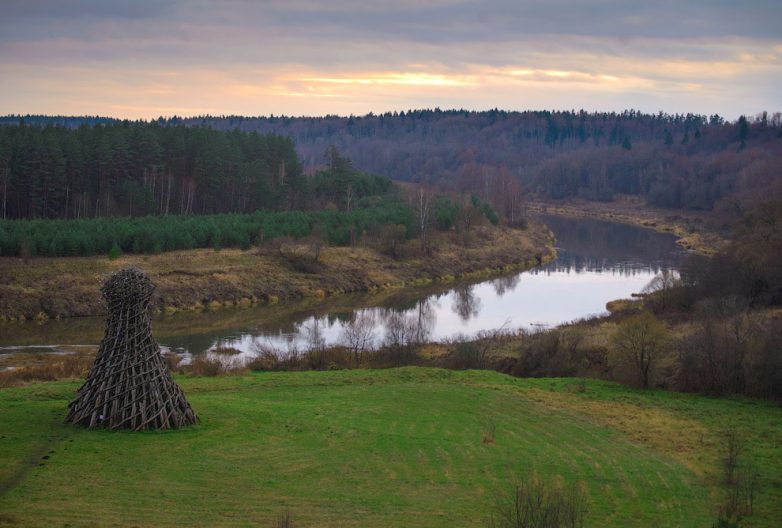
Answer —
(67, 167)
(138, 169)
(115, 187)
(77, 168)
(676, 161)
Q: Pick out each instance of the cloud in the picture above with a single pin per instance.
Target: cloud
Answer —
(354, 55)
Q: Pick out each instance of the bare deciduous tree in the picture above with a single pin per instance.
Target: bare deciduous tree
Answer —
(536, 504)
(467, 217)
(423, 321)
(422, 200)
(317, 239)
(316, 343)
(640, 343)
(660, 289)
(358, 334)
(400, 334)
(284, 520)
(741, 479)
(400, 329)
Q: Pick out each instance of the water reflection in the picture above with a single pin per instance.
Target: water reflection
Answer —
(426, 318)
(597, 262)
(591, 245)
(568, 262)
(358, 334)
(466, 304)
(505, 284)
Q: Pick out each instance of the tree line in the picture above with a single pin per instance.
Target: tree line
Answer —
(389, 220)
(150, 234)
(138, 169)
(686, 161)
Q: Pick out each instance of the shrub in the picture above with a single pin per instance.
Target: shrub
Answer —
(57, 367)
(115, 252)
(172, 361)
(532, 503)
(284, 520)
(226, 351)
(741, 480)
(638, 346)
(204, 366)
(551, 353)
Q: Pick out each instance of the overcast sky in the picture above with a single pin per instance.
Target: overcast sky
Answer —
(144, 58)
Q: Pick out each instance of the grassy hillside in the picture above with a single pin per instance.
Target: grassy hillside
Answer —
(377, 448)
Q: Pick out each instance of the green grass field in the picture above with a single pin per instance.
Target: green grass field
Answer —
(401, 447)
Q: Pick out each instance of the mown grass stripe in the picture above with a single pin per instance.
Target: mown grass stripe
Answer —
(354, 448)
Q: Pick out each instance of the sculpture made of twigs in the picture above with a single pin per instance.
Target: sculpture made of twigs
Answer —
(129, 386)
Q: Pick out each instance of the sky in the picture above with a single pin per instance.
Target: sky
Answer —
(144, 58)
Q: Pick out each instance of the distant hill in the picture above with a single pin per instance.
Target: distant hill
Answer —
(676, 161)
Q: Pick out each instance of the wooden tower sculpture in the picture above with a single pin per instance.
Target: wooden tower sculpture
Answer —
(129, 386)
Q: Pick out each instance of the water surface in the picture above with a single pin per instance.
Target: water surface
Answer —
(597, 262)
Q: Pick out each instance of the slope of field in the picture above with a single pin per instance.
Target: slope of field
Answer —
(398, 447)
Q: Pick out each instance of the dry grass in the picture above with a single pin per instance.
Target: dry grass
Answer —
(692, 430)
(203, 279)
(70, 366)
(226, 351)
(646, 425)
(204, 366)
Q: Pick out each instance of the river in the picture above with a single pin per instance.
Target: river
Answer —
(597, 262)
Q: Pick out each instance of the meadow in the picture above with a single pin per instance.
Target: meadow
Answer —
(397, 447)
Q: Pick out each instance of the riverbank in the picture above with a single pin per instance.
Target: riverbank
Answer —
(690, 227)
(205, 279)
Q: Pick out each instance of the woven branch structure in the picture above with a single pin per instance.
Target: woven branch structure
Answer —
(129, 386)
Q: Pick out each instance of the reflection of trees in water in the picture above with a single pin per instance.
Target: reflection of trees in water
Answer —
(399, 328)
(466, 304)
(410, 326)
(313, 334)
(358, 334)
(426, 317)
(316, 342)
(587, 246)
(502, 285)
(282, 347)
(596, 245)
(575, 263)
